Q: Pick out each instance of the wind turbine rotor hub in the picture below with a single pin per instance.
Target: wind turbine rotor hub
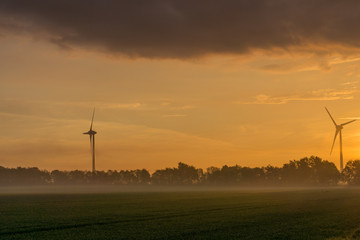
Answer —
(339, 127)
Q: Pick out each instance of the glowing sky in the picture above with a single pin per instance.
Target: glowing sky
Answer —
(208, 84)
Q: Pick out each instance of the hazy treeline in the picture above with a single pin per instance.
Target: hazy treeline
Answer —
(312, 171)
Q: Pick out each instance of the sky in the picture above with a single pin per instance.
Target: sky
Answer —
(206, 83)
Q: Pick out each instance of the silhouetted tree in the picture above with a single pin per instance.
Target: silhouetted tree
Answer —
(310, 171)
(187, 174)
(252, 176)
(23, 176)
(164, 177)
(78, 177)
(235, 175)
(324, 172)
(273, 175)
(59, 177)
(182, 175)
(351, 172)
(142, 176)
(128, 177)
(213, 176)
(306, 171)
(230, 175)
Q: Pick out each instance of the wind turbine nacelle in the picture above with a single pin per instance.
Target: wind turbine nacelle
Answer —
(90, 132)
(339, 127)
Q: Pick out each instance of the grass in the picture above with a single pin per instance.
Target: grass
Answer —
(230, 214)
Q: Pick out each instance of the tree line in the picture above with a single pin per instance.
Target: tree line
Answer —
(308, 171)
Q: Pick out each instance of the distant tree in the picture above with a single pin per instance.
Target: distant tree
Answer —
(78, 177)
(306, 171)
(324, 172)
(187, 174)
(351, 172)
(297, 172)
(60, 177)
(114, 177)
(101, 177)
(143, 176)
(128, 177)
(213, 175)
(182, 175)
(252, 176)
(31, 176)
(235, 175)
(6, 177)
(164, 177)
(310, 171)
(273, 175)
(230, 175)
(23, 176)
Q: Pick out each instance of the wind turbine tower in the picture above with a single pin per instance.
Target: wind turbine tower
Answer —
(338, 129)
(92, 142)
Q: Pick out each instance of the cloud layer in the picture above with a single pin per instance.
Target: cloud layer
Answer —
(184, 29)
(347, 93)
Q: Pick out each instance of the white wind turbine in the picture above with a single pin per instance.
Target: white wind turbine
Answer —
(338, 129)
(92, 142)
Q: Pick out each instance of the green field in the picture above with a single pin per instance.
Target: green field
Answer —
(184, 214)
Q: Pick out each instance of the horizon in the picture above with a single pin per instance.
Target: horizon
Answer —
(176, 165)
(233, 83)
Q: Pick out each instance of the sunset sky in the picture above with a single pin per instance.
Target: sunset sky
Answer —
(207, 83)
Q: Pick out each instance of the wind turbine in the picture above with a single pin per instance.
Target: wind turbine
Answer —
(92, 142)
(338, 129)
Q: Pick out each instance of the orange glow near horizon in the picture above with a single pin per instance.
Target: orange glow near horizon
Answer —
(255, 110)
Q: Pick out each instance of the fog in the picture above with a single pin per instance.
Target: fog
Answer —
(101, 189)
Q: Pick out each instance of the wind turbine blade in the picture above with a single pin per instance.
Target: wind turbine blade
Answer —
(336, 133)
(343, 124)
(331, 116)
(92, 120)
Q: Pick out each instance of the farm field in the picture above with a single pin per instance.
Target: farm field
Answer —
(184, 214)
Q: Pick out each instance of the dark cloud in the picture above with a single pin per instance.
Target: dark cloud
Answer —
(183, 28)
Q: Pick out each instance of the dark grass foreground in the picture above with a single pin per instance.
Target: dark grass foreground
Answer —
(200, 214)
